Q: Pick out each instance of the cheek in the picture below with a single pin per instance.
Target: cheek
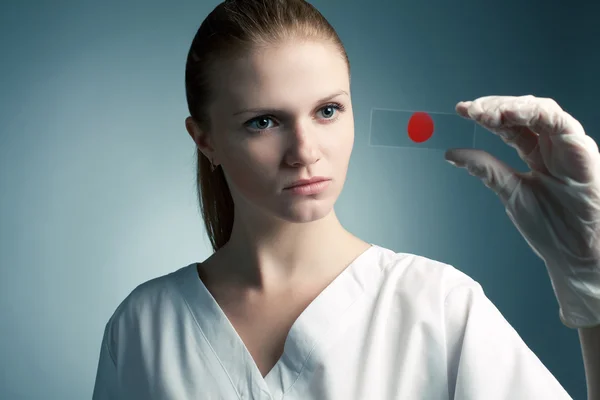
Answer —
(340, 146)
(251, 175)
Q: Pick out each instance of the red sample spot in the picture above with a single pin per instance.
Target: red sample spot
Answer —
(420, 127)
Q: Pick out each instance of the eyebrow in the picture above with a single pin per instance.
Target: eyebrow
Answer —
(273, 110)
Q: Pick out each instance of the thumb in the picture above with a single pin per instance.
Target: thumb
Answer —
(495, 174)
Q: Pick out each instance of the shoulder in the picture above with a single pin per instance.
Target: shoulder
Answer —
(147, 302)
(150, 294)
(414, 274)
(429, 291)
(436, 294)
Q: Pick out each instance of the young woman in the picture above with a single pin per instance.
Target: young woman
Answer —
(291, 305)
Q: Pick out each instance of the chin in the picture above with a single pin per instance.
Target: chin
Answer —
(306, 211)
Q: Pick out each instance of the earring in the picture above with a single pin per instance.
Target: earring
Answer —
(212, 166)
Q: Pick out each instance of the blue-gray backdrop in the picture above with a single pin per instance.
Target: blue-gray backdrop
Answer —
(97, 178)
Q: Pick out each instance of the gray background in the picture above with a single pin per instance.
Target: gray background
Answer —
(97, 177)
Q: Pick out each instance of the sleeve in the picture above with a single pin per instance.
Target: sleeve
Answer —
(105, 387)
(487, 359)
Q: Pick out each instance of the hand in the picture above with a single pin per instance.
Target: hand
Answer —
(556, 205)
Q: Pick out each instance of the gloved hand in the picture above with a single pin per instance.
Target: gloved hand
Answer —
(556, 205)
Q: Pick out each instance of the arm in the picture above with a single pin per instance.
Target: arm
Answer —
(590, 347)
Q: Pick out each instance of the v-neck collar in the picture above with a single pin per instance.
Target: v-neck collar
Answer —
(308, 332)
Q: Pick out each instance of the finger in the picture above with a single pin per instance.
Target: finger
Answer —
(519, 120)
(542, 115)
(495, 174)
(527, 144)
(564, 148)
(488, 112)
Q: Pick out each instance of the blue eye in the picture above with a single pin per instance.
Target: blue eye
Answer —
(259, 119)
(263, 120)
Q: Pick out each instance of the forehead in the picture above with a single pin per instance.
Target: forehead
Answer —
(283, 76)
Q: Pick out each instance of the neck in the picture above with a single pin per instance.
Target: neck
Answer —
(269, 260)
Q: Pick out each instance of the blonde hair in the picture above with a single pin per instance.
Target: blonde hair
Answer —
(232, 29)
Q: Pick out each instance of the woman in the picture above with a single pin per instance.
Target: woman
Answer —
(291, 305)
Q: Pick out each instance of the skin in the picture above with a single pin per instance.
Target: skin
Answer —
(281, 242)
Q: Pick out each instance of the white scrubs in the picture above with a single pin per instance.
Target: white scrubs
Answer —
(390, 326)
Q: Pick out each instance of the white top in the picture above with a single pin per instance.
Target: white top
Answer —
(390, 326)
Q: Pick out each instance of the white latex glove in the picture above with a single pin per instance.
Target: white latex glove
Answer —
(556, 205)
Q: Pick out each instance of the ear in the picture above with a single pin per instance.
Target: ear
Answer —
(201, 138)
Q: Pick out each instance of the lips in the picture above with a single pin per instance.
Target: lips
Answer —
(308, 181)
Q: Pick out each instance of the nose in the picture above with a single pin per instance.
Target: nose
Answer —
(303, 148)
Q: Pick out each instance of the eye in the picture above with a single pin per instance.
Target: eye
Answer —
(332, 107)
(261, 123)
